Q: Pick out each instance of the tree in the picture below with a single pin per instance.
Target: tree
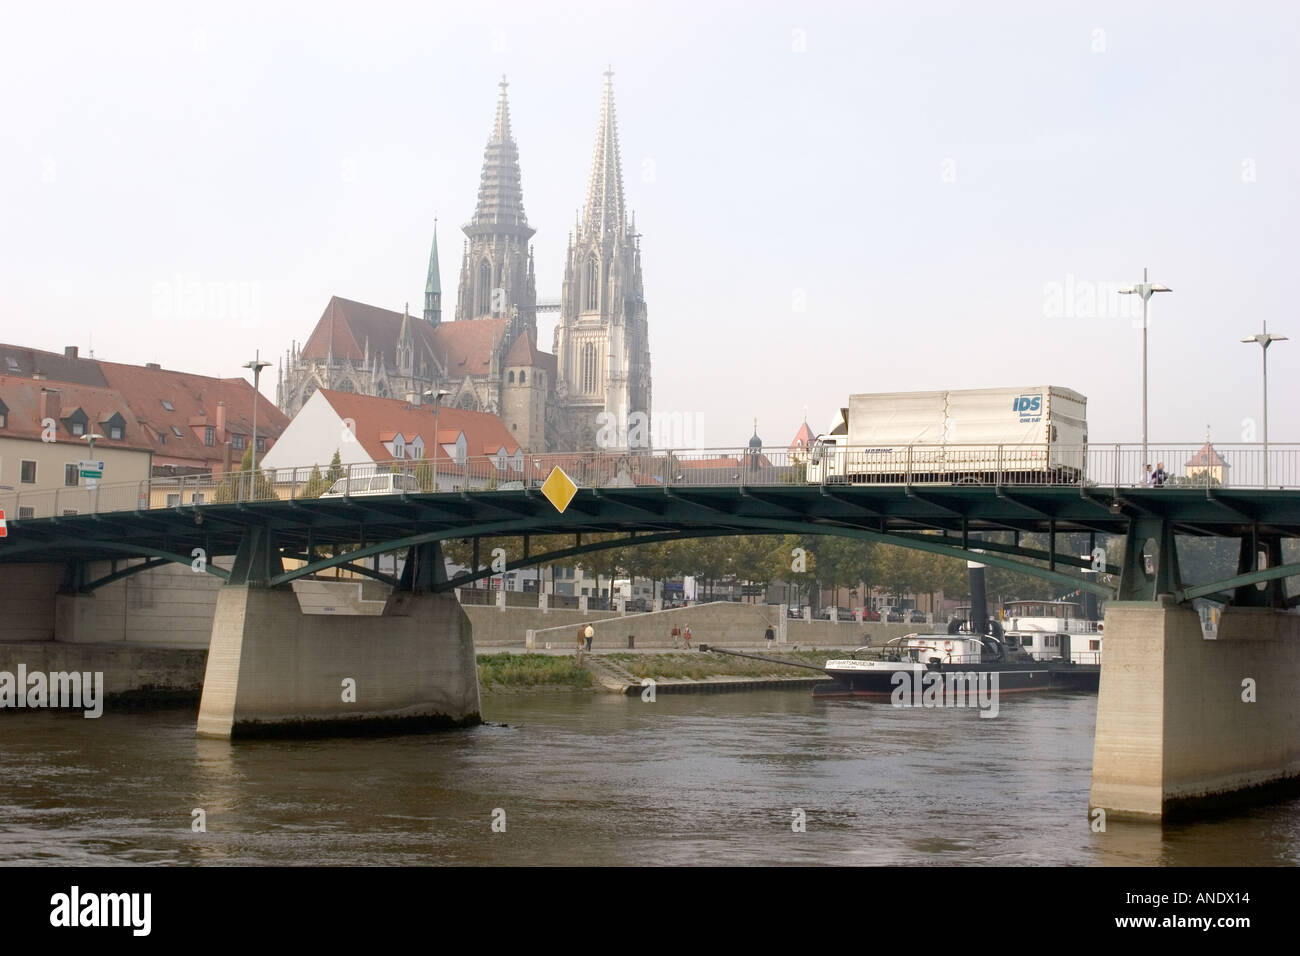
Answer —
(315, 486)
(244, 485)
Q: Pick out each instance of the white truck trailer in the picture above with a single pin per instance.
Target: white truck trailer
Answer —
(1032, 435)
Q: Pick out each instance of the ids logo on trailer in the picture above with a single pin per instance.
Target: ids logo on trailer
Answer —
(1027, 406)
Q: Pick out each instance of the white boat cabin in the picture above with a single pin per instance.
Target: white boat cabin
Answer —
(1054, 629)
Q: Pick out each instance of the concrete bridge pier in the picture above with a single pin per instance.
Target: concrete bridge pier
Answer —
(273, 671)
(1185, 723)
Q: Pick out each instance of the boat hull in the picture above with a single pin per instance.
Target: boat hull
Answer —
(1012, 678)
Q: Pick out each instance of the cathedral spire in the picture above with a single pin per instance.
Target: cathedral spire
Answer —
(604, 213)
(500, 193)
(433, 285)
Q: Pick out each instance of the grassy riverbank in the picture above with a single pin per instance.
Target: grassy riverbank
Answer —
(538, 671)
(699, 666)
(514, 672)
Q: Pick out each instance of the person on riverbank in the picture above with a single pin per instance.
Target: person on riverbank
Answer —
(769, 636)
(676, 635)
(589, 633)
(582, 645)
(686, 636)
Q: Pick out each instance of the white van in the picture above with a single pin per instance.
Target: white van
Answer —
(390, 484)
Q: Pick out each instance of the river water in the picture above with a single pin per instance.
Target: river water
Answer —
(600, 779)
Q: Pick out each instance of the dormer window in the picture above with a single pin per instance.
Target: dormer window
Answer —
(12, 363)
(168, 405)
(76, 423)
(177, 432)
(4, 415)
(114, 426)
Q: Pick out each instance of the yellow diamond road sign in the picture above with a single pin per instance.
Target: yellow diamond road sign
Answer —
(559, 489)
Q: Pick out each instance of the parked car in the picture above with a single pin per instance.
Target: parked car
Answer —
(869, 615)
(795, 611)
(895, 616)
(844, 614)
(916, 617)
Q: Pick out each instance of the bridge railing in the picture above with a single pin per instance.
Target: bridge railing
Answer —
(1099, 466)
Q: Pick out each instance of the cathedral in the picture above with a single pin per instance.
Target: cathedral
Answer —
(488, 358)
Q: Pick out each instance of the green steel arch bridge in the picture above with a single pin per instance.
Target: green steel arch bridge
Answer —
(943, 500)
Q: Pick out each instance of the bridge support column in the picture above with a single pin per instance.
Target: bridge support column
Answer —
(273, 671)
(1257, 553)
(1184, 723)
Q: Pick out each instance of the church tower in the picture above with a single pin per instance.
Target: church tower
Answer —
(497, 278)
(433, 285)
(602, 345)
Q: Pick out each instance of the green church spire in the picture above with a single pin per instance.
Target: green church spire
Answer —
(433, 287)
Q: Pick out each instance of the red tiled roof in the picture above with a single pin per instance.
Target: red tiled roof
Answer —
(1207, 457)
(194, 401)
(346, 327)
(465, 348)
(22, 401)
(375, 417)
(803, 437)
(23, 362)
(460, 348)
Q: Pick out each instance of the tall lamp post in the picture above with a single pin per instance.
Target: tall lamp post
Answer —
(1145, 289)
(1265, 340)
(437, 397)
(256, 365)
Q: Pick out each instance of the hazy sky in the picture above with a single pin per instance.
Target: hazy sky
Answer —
(833, 198)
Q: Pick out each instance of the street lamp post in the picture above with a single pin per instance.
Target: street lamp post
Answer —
(1144, 289)
(1265, 340)
(437, 397)
(256, 365)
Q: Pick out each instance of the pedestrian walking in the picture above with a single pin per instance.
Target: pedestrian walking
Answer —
(769, 635)
(1159, 476)
(676, 635)
(589, 633)
(582, 644)
(686, 636)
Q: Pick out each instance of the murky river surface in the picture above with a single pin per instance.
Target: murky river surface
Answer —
(691, 779)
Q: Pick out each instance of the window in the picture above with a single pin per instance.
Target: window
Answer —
(523, 378)
(26, 513)
(177, 432)
(1094, 645)
(588, 371)
(162, 439)
(77, 429)
(237, 442)
(173, 501)
(69, 512)
(511, 378)
(484, 297)
(167, 405)
(27, 472)
(593, 284)
(70, 476)
(261, 444)
(199, 498)
(12, 363)
(115, 432)
(4, 419)
(209, 436)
